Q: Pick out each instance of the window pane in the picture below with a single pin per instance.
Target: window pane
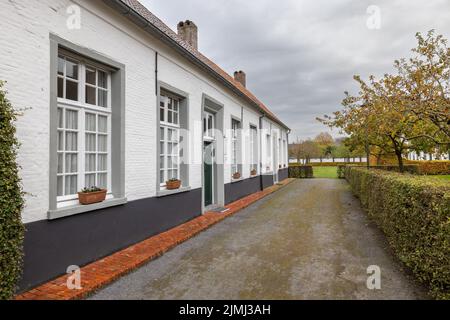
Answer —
(102, 143)
(102, 162)
(90, 77)
(102, 98)
(169, 148)
(90, 163)
(71, 163)
(72, 69)
(72, 90)
(71, 141)
(169, 162)
(89, 181)
(91, 145)
(71, 185)
(102, 80)
(175, 118)
(90, 95)
(60, 118)
(175, 174)
(60, 141)
(162, 134)
(161, 162)
(169, 117)
(71, 120)
(61, 64)
(161, 115)
(161, 177)
(60, 88)
(59, 186)
(102, 124)
(102, 180)
(91, 122)
(60, 162)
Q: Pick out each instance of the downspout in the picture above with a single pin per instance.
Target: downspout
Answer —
(156, 73)
(260, 151)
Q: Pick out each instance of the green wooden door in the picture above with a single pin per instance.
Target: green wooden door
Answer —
(208, 174)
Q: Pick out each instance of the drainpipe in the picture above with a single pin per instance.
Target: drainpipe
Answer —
(260, 151)
(156, 73)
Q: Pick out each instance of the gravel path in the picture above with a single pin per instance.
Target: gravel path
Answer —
(311, 240)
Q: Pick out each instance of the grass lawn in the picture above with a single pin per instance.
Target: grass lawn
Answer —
(325, 172)
(443, 177)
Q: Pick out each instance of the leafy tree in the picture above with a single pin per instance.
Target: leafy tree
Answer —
(305, 150)
(405, 111)
(11, 201)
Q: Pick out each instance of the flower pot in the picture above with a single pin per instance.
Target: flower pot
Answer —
(253, 173)
(92, 197)
(236, 176)
(173, 185)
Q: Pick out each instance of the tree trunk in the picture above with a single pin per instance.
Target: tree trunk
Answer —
(400, 161)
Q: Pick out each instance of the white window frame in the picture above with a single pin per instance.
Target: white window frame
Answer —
(235, 146)
(165, 127)
(253, 148)
(82, 108)
(209, 126)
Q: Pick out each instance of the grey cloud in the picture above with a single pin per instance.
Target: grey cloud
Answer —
(300, 56)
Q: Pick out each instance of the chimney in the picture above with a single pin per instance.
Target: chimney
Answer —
(188, 31)
(241, 77)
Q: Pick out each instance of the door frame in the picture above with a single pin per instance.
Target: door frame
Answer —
(213, 106)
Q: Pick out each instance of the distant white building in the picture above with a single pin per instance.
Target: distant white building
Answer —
(120, 101)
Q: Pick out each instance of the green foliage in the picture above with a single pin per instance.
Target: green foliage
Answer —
(432, 167)
(91, 190)
(301, 172)
(11, 202)
(414, 214)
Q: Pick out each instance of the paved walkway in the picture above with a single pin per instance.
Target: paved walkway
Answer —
(310, 240)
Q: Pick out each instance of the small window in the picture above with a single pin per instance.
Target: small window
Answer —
(209, 125)
(68, 79)
(235, 145)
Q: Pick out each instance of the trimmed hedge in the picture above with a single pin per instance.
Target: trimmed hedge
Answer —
(432, 167)
(11, 202)
(330, 164)
(414, 214)
(301, 172)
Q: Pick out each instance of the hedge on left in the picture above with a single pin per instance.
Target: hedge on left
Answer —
(11, 201)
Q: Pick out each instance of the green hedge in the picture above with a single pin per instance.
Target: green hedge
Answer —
(414, 214)
(301, 172)
(329, 164)
(11, 202)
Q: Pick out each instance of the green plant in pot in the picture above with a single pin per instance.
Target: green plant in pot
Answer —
(92, 195)
(173, 184)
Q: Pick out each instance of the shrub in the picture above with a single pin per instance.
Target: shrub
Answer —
(410, 168)
(341, 171)
(11, 202)
(331, 164)
(414, 214)
(432, 167)
(301, 172)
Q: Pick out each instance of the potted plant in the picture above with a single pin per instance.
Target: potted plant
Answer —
(173, 184)
(236, 176)
(91, 195)
(253, 172)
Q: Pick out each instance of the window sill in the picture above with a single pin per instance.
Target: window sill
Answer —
(78, 209)
(237, 180)
(254, 177)
(165, 193)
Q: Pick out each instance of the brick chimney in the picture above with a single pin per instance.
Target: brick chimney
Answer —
(188, 31)
(241, 77)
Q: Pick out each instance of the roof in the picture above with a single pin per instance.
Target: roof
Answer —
(136, 7)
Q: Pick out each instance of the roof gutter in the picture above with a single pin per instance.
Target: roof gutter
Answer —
(135, 17)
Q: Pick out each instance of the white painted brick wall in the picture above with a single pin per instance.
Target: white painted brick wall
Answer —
(25, 57)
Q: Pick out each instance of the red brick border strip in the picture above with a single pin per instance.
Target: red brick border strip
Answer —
(103, 272)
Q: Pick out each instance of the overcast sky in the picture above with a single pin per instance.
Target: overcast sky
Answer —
(300, 55)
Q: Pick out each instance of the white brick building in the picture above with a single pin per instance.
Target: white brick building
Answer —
(118, 100)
